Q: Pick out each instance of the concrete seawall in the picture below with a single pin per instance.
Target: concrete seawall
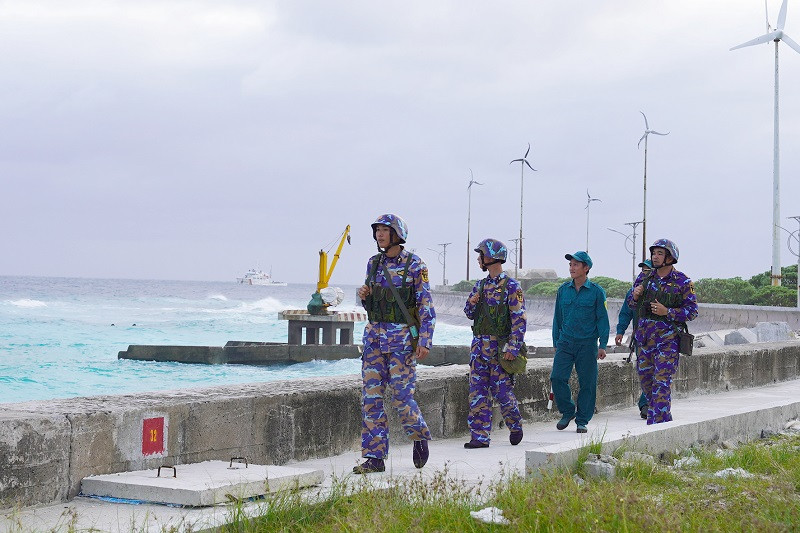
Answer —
(712, 317)
(46, 448)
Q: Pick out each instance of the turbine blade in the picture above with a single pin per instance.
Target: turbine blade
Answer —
(646, 125)
(640, 140)
(659, 133)
(782, 15)
(515, 160)
(766, 14)
(477, 183)
(587, 194)
(791, 42)
(529, 165)
(528, 151)
(758, 40)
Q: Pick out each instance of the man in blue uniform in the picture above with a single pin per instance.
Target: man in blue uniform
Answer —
(401, 318)
(626, 316)
(580, 336)
(496, 306)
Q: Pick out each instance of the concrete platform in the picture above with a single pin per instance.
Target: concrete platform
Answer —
(735, 415)
(200, 484)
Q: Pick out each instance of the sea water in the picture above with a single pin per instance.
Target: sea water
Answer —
(59, 337)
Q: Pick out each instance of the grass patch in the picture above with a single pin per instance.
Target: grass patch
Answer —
(642, 497)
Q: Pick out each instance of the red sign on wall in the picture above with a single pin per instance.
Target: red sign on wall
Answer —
(153, 436)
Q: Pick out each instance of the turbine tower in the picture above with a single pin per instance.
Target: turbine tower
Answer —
(522, 162)
(647, 132)
(469, 212)
(589, 200)
(776, 36)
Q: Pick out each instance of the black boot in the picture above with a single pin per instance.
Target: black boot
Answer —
(420, 454)
(369, 466)
(473, 444)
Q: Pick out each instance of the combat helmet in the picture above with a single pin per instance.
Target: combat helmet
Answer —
(395, 223)
(492, 249)
(669, 246)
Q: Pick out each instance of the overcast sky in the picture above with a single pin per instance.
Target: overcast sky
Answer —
(196, 139)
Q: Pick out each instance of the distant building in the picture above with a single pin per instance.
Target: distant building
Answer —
(531, 277)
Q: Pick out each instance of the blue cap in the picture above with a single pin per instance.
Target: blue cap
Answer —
(646, 263)
(581, 256)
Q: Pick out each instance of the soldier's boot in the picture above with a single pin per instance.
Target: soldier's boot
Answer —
(369, 466)
(420, 454)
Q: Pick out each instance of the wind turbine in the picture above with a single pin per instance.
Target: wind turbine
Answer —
(469, 211)
(775, 36)
(647, 132)
(589, 200)
(522, 162)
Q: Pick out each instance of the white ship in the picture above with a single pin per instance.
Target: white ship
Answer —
(259, 277)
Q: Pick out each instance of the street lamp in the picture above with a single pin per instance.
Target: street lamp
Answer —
(632, 251)
(443, 261)
(796, 235)
(469, 211)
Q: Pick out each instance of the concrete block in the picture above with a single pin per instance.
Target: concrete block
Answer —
(200, 484)
(34, 458)
(772, 331)
(711, 339)
(601, 466)
(740, 336)
(633, 457)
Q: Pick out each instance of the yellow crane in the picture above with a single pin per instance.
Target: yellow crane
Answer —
(317, 306)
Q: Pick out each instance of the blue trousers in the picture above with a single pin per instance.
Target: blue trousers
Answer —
(582, 356)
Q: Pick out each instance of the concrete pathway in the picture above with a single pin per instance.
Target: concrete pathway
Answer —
(739, 414)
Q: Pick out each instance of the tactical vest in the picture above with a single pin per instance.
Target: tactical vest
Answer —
(655, 291)
(380, 303)
(492, 319)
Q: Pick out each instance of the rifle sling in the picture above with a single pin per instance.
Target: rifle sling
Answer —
(399, 301)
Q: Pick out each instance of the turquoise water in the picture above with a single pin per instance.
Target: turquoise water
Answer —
(59, 337)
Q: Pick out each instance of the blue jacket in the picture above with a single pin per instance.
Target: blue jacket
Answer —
(625, 314)
(581, 315)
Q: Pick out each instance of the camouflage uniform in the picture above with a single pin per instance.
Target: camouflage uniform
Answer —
(486, 374)
(389, 360)
(657, 336)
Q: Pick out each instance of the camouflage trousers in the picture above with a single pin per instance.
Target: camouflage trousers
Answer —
(487, 376)
(398, 372)
(657, 363)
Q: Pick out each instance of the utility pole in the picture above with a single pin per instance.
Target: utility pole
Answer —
(443, 261)
(796, 236)
(516, 251)
(633, 246)
(469, 210)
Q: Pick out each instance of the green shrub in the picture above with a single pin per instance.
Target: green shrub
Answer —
(765, 279)
(778, 296)
(544, 288)
(463, 286)
(724, 291)
(614, 288)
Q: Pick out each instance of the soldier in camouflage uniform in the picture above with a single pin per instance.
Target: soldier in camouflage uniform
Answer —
(392, 343)
(664, 300)
(497, 307)
(626, 316)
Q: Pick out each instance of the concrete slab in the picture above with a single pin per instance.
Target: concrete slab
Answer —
(740, 336)
(772, 331)
(200, 484)
(736, 414)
